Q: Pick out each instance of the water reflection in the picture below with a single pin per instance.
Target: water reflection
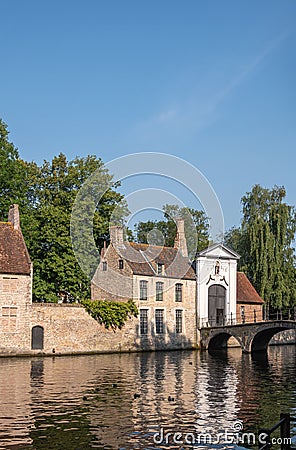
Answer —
(121, 401)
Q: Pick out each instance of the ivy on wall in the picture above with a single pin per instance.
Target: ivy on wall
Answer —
(111, 314)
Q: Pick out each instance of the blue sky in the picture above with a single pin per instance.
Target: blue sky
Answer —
(212, 82)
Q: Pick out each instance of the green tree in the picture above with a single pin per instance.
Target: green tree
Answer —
(13, 187)
(265, 241)
(53, 188)
(163, 232)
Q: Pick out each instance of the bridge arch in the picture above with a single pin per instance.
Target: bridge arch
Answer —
(261, 339)
(219, 340)
(252, 337)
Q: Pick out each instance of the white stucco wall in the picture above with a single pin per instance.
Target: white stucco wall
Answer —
(206, 277)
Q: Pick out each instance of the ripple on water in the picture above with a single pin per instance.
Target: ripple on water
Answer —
(90, 402)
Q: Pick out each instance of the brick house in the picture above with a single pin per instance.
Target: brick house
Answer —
(249, 303)
(162, 283)
(173, 298)
(15, 285)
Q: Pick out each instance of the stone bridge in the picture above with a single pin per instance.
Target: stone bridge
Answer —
(252, 337)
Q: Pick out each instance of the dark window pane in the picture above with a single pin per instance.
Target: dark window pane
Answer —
(179, 323)
(159, 291)
(143, 321)
(159, 326)
(143, 290)
(178, 292)
(159, 268)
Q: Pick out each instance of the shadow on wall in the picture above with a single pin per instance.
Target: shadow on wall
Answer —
(162, 341)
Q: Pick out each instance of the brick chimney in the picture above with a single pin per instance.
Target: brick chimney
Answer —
(116, 235)
(103, 250)
(14, 216)
(180, 239)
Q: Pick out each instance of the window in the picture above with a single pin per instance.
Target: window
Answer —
(242, 311)
(159, 328)
(159, 269)
(179, 320)
(104, 266)
(120, 263)
(143, 321)
(159, 291)
(178, 292)
(9, 311)
(143, 289)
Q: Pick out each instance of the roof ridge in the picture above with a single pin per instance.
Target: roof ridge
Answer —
(151, 245)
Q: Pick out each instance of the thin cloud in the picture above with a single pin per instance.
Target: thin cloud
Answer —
(197, 112)
(248, 71)
(166, 116)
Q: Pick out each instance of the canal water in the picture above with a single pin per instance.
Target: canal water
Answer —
(144, 401)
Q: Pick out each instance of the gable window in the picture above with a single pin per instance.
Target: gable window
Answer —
(159, 291)
(159, 269)
(159, 325)
(178, 292)
(143, 321)
(179, 320)
(143, 289)
(120, 263)
(104, 266)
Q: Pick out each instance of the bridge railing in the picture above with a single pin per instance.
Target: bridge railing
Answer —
(252, 316)
(231, 319)
(280, 314)
(265, 439)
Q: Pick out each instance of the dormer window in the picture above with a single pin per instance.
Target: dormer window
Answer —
(120, 264)
(159, 269)
(104, 266)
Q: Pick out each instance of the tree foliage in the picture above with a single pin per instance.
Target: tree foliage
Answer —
(46, 194)
(109, 313)
(265, 243)
(46, 226)
(163, 232)
(12, 174)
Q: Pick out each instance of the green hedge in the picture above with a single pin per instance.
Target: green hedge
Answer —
(111, 314)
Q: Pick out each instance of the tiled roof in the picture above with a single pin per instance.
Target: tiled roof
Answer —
(246, 293)
(143, 260)
(14, 257)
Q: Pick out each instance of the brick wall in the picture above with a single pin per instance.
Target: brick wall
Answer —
(169, 339)
(249, 312)
(15, 312)
(114, 283)
(70, 329)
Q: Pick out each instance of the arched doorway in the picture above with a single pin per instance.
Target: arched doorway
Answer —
(37, 338)
(216, 305)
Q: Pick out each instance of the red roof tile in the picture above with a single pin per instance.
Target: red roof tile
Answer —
(14, 257)
(246, 293)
